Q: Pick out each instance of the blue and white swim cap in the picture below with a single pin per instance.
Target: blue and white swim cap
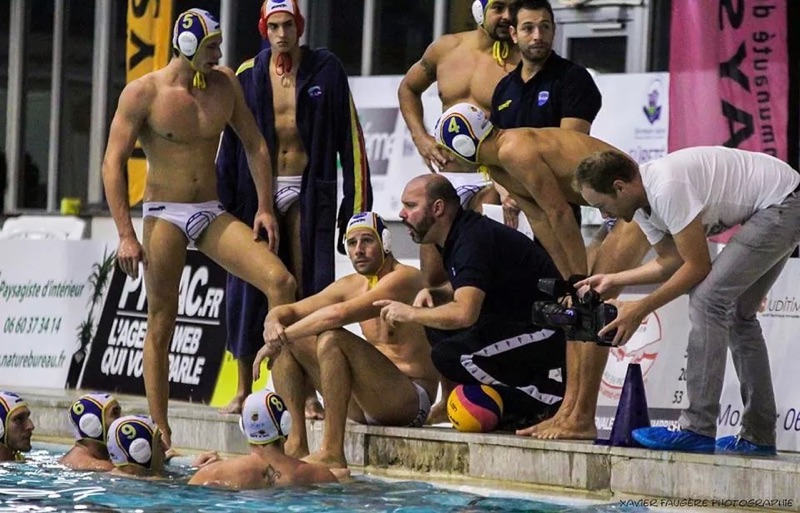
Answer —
(479, 8)
(87, 416)
(131, 441)
(373, 222)
(192, 31)
(461, 129)
(9, 402)
(264, 418)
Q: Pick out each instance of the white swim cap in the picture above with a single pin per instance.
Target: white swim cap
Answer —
(461, 129)
(264, 418)
(9, 401)
(479, 8)
(87, 416)
(374, 223)
(131, 441)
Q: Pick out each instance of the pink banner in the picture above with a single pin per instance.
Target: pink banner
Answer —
(729, 77)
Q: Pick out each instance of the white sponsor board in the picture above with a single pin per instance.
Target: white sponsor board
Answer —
(48, 307)
(780, 322)
(635, 113)
(659, 347)
(633, 117)
(393, 158)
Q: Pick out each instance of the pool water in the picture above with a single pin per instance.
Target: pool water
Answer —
(42, 485)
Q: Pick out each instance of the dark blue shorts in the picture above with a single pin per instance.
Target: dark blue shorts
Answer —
(245, 311)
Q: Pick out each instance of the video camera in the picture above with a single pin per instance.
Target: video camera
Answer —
(583, 320)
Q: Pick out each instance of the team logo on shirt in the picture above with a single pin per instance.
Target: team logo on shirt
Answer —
(543, 97)
(315, 91)
(504, 105)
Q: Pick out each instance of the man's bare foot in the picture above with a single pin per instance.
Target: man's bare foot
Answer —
(327, 459)
(438, 413)
(314, 410)
(534, 429)
(569, 429)
(234, 407)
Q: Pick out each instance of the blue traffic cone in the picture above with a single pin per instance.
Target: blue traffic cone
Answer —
(631, 410)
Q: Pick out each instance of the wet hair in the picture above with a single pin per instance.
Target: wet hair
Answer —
(440, 188)
(601, 170)
(531, 5)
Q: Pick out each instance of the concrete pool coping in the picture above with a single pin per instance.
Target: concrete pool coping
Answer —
(581, 469)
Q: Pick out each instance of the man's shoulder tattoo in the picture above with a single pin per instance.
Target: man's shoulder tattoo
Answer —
(271, 475)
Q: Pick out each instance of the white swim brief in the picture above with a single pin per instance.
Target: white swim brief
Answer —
(422, 412)
(467, 185)
(191, 218)
(287, 192)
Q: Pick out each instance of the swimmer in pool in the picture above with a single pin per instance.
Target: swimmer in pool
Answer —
(135, 447)
(266, 423)
(16, 427)
(90, 417)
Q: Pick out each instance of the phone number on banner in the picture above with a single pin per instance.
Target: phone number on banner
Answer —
(32, 325)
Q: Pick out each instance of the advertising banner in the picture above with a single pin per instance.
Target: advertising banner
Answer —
(780, 322)
(50, 294)
(729, 72)
(659, 346)
(634, 118)
(148, 48)
(635, 114)
(196, 347)
(393, 158)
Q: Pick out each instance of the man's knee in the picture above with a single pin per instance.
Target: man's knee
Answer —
(280, 283)
(161, 315)
(328, 341)
(707, 299)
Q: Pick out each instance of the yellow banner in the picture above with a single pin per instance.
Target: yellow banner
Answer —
(229, 378)
(148, 48)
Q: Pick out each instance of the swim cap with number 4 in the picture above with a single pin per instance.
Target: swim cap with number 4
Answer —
(461, 129)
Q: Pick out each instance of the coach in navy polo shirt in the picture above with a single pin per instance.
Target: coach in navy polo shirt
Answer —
(479, 322)
(545, 90)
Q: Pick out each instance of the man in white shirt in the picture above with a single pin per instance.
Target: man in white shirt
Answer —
(678, 201)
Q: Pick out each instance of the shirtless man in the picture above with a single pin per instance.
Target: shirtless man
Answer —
(466, 67)
(265, 422)
(537, 167)
(178, 113)
(302, 104)
(385, 378)
(16, 427)
(90, 417)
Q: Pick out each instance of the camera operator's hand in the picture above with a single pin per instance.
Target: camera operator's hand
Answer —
(424, 299)
(629, 317)
(600, 283)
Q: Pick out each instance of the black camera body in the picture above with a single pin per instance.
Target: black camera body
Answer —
(581, 321)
